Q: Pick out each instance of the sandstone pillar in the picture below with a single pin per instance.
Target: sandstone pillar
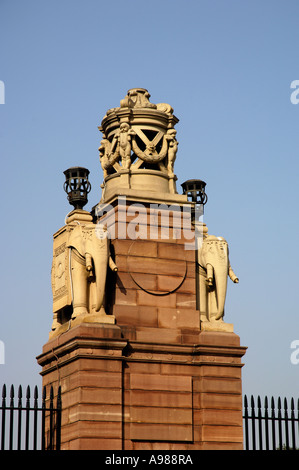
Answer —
(153, 369)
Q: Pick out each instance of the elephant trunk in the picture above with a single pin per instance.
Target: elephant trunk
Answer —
(98, 248)
(220, 276)
(100, 264)
(215, 254)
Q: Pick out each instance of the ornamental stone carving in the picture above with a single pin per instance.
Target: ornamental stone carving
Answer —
(139, 147)
(81, 257)
(214, 269)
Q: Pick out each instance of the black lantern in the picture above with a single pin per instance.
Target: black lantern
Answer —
(195, 191)
(77, 186)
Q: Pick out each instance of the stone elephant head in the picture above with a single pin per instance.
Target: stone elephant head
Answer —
(214, 258)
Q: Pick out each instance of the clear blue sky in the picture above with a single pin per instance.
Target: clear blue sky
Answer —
(226, 68)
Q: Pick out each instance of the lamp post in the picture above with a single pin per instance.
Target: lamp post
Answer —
(77, 186)
(195, 191)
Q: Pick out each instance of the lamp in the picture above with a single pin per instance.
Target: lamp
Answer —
(77, 186)
(195, 191)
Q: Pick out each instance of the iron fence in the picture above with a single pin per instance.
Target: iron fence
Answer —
(28, 426)
(271, 427)
(31, 426)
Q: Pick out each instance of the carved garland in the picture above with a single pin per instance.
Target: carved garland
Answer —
(109, 157)
(150, 155)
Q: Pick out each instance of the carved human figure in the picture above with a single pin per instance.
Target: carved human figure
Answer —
(213, 258)
(172, 150)
(90, 257)
(104, 150)
(109, 153)
(125, 144)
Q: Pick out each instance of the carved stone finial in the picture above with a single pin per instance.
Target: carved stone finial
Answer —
(139, 145)
(137, 98)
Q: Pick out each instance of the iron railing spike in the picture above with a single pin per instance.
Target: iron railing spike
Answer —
(285, 403)
(266, 403)
(272, 403)
(59, 394)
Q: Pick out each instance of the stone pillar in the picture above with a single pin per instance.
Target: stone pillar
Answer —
(154, 379)
(184, 397)
(121, 394)
(159, 368)
(86, 361)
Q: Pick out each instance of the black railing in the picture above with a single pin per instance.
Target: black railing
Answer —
(30, 427)
(271, 427)
(39, 427)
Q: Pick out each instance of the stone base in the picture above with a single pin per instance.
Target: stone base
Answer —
(90, 318)
(124, 394)
(217, 325)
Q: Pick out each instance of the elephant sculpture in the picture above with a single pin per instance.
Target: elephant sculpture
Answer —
(89, 258)
(214, 265)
